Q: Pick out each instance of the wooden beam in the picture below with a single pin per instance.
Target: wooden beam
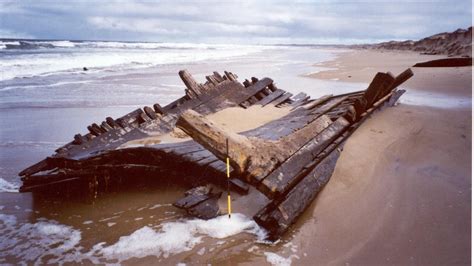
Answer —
(252, 158)
(213, 138)
(247, 83)
(282, 179)
(189, 81)
(105, 126)
(317, 102)
(276, 218)
(379, 85)
(212, 80)
(282, 99)
(272, 96)
(158, 109)
(229, 76)
(218, 76)
(150, 112)
(112, 122)
(243, 95)
(79, 139)
(401, 78)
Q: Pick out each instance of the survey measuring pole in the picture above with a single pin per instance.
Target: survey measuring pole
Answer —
(229, 208)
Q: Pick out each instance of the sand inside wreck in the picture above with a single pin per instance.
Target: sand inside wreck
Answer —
(235, 119)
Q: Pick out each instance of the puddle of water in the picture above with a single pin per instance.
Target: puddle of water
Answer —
(436, 100)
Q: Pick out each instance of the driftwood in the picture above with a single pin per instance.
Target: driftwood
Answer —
(289, 159)
(200, 202)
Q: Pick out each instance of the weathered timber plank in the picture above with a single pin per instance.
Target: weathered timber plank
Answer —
(219, 166)
(401, 78)
(143, 118)
(158, 109)
(79, 139)
(239, 186)
(277, 219)
(377, 87)
(251, 158)
(212, 80)
(195, 157)
(180, 151)
(285, 97)
(95, 129)
(247, 83)
(245, 93)
(272, 96)
(150, 112)
(218, 76)
(43, 186)
(327, 106)
(130, 119)
(229, 76)
(105, 126)
(303, 99)
(191, 200)
(206, 209)
(228, 94)
(208, 160)
(189, 81)
(260, 95)
(294, 141)
(285, 177)
(111, 122)
(300, 96)
(214, 138)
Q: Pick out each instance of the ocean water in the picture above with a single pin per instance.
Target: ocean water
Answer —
(46, 97)
(20, 59)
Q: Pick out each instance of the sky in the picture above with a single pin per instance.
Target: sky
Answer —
(245, 22)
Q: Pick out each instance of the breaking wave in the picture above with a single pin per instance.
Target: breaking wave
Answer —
(22, 58)
(39, 44)
(6, 186)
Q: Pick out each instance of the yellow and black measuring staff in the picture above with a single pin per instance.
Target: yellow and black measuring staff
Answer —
(229, 210)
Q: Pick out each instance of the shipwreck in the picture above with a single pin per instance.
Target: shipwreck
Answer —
(289, 159)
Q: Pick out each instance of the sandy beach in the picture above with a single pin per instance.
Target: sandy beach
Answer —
(401, 190)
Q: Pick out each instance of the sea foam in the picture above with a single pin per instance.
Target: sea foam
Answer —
(48, 241)
(6, 186)
(177, 237)
(71, 57)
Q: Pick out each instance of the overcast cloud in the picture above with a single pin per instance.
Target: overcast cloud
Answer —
(231, 22)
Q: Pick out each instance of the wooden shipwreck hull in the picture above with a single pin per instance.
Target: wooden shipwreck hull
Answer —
(289, 159)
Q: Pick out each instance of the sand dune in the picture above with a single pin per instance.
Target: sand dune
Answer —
(456, 43)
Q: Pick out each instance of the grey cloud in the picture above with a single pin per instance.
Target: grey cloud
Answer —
(243, 22)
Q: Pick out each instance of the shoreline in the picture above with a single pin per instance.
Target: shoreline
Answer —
(361, 65)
